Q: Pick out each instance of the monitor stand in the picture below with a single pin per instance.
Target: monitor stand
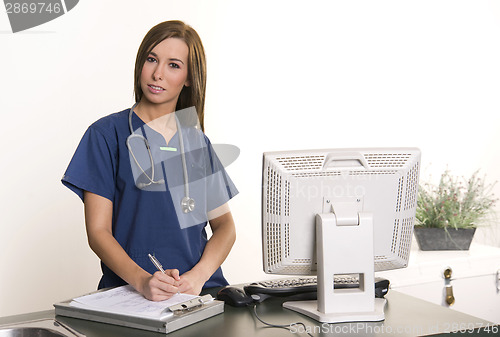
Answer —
(344, 246)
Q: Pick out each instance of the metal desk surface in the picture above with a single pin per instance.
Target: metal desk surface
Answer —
(405, 316)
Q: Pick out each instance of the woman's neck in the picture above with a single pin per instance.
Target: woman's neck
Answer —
(159, 118)
(149, 112)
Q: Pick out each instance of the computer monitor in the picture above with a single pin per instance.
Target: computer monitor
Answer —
(336, 212)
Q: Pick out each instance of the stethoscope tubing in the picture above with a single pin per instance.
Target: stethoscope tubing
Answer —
(187, 203)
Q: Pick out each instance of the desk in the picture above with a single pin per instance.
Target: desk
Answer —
(405, 316)
(474, 279)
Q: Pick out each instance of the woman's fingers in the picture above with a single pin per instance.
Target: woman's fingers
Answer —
(165, 280)
(174, 273)
(161, 287)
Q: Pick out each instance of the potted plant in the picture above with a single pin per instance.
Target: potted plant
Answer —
(448, 213)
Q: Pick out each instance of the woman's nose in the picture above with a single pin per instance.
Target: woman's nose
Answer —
(158, 74)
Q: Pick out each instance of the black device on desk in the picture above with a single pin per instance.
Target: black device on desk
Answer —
(293, 288)
(234, 297)
(306, 287)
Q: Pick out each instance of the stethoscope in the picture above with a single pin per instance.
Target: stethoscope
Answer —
(187, 203)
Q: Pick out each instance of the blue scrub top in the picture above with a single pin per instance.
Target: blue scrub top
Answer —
(145, 221)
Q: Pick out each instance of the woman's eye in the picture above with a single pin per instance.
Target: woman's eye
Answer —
(174, 65)
(151, 59)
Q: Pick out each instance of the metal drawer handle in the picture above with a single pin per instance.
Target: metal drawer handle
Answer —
(449, 298)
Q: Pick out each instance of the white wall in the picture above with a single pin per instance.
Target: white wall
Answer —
(282, 75)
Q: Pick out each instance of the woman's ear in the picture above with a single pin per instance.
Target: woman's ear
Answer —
(187, 83)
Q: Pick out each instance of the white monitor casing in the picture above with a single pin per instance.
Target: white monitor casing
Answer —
(339, 211)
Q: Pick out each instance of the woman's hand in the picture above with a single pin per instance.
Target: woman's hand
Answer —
(191, 282)
(159, 286)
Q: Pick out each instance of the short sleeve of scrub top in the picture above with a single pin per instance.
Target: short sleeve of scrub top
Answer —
(92, 166)
(143, 222)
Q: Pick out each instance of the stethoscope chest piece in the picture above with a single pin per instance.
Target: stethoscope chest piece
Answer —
(187, 204)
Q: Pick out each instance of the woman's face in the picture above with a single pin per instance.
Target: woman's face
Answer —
(165, 72)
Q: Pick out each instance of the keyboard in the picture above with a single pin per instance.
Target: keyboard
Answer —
(307, 286)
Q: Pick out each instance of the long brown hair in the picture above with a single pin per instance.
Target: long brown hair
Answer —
(192, 95)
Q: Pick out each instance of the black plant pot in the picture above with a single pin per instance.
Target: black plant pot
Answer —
(441, 239)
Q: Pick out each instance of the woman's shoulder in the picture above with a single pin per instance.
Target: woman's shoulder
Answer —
(111, 124)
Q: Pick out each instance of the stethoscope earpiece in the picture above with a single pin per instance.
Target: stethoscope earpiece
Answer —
(187, 203)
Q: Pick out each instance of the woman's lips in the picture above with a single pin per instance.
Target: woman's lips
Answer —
(155, 89)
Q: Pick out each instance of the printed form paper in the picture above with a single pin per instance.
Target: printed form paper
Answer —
(126, 300)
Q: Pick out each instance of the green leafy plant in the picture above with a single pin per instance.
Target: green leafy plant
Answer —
(456, 202)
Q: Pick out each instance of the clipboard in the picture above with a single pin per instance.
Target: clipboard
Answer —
(184, 314)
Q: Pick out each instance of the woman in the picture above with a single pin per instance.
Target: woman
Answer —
(126, 222)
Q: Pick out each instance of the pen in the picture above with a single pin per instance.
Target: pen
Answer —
(157, 265)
